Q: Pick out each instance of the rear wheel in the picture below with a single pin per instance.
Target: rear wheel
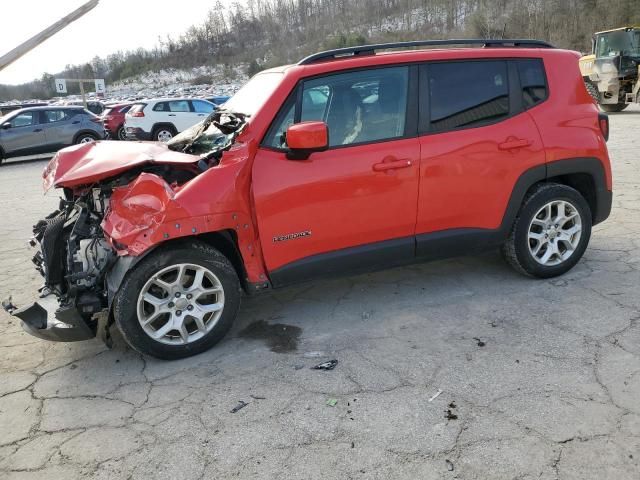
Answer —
(121, 134)
(178, 302)
(163, 134)
(551, 232)
(86, 138)
(612, 107)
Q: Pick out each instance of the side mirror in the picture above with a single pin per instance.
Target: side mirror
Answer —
(6, 126)
(305, 138)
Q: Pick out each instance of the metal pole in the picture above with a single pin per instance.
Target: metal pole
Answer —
(84, 100)
(38, 38)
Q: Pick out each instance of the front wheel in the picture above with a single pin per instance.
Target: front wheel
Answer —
(178, 302)
(122, 133)
(551, 232)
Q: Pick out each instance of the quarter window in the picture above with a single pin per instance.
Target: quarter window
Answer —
(467, 94)
(533, 82)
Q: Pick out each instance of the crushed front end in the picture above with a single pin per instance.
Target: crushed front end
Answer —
(73, 257)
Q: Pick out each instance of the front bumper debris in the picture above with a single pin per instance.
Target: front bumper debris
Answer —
(49, 321)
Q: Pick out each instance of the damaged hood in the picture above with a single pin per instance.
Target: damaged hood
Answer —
(91, 162)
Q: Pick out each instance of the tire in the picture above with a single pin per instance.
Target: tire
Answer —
(164, 133)
(86, 138)
(189, 337)
(611, 107)
(527, 254)
(121, 134)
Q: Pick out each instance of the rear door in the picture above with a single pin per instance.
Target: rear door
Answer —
(22, 134)
(477, 140)
(353, 206)
(60, 127)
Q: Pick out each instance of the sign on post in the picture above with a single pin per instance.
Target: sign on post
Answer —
(100, 89)
(61, 85)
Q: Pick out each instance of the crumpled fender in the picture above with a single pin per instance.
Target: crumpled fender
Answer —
(148, 211)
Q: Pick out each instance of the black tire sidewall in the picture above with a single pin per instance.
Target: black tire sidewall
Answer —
(125, 302)
(531, 207)
(121, 137)
(157, 131)
(85, 135)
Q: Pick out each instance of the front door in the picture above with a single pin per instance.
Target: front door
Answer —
(353, 206)
(22, 134)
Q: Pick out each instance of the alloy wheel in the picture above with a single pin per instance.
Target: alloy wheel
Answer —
(180, 304)
(554, 233)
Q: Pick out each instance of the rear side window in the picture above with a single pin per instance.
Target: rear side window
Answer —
(125, 109)
(160, 107)
(467, 94)
(179, 106)
(533, 82)
(51, 116)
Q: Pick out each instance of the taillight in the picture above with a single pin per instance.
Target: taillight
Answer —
(603, 122)
(137, 114)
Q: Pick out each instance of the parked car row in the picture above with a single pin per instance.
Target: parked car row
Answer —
(39, 130)
(45, 129)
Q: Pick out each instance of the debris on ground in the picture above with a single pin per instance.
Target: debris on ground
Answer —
(353, 444)
(449, 415)
(366, 315)
(239, 407)
(469, 357)
(480, 342)
(314, 354)
(256, 397)
(298, 367)
(437, 394)
(332, 402)
(330, 365)
(449, 465)
(8, 305)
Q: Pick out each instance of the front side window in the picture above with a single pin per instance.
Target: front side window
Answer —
(532, 81)
(24, 119)
(358, 107)
(202, 107)
(467, 94)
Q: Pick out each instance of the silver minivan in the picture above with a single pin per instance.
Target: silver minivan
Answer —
(37, 130)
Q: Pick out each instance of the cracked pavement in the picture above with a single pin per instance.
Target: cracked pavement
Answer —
(554, 392)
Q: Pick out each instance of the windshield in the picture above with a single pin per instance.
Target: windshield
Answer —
(254, 93)
(618, 43)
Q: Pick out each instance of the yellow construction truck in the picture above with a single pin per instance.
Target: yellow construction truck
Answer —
(612, 71)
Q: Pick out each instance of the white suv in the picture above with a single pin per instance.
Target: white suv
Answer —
(162, 118)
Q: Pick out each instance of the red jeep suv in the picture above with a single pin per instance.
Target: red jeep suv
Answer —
(350, 160)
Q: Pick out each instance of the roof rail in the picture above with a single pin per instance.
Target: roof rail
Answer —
(371, 49)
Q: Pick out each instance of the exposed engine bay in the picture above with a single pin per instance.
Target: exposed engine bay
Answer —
(74, 255)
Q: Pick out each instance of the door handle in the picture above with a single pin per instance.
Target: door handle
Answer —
(514, 144)
(172, 114)
(201, 114)
(391, 165)
(37, 130)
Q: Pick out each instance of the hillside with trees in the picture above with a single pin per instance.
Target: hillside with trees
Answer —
(265, 33)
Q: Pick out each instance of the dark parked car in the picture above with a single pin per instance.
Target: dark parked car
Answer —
(30, 131)
(5, 109)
